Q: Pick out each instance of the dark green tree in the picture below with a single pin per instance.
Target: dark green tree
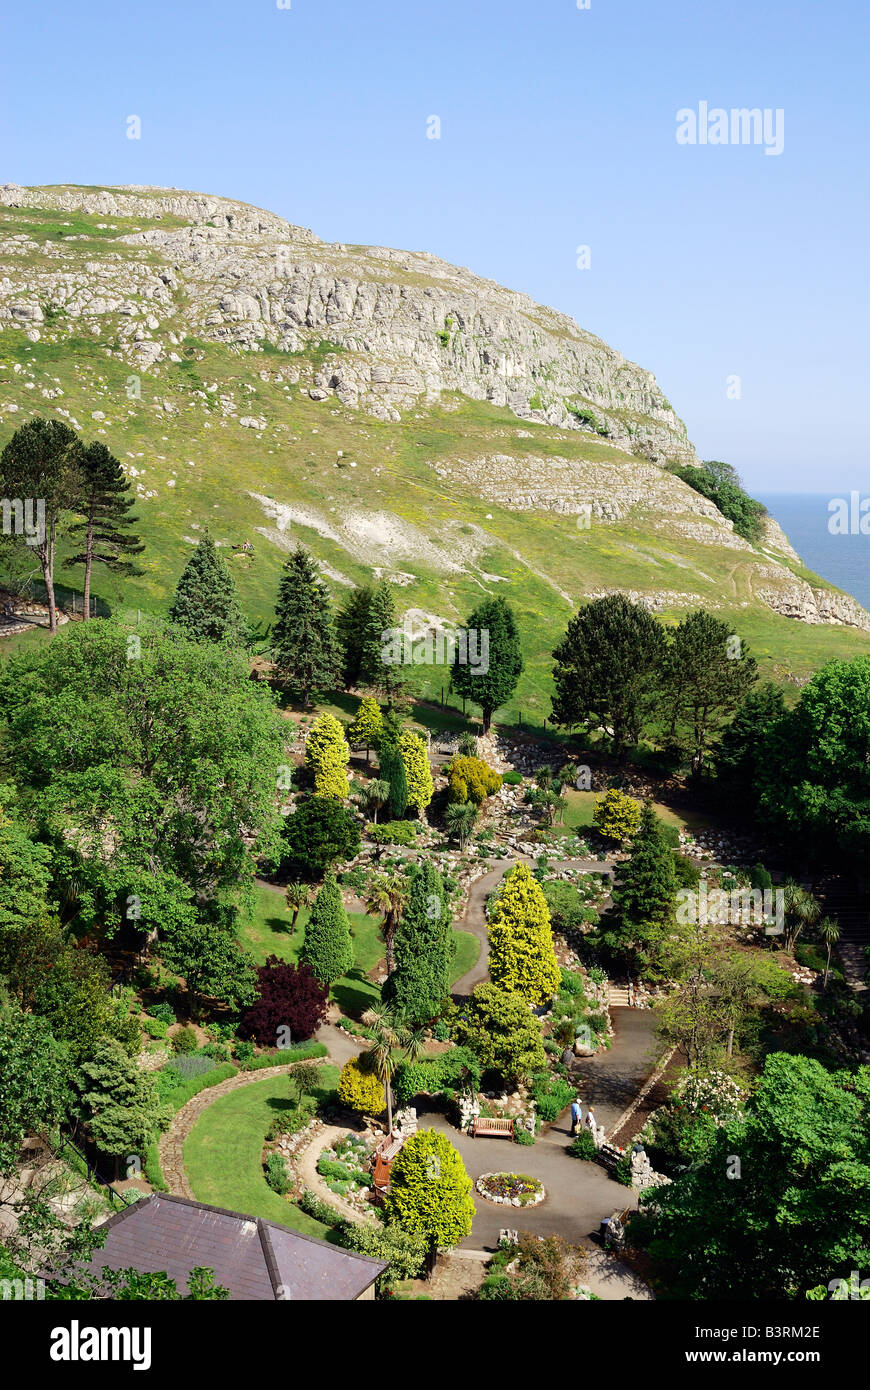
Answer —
(352, 622)
(103, 535)
(782, 1201)
(328, 948)
(736, 758)
(303, 637)
(320, 832)
(41, 466)
(608, 670)
(391, 766)
(208, 956)
(813, 769)
(492, 637)
(206, 606)
(34, 1083)
(707, 672)
(423, 949)
(378, 667)
(644, 899)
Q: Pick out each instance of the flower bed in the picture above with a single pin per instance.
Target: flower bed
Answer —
(511, 1189)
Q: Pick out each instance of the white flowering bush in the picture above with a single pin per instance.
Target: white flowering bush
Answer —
(714, 1091)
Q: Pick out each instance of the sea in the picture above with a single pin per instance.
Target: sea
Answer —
(843, 560)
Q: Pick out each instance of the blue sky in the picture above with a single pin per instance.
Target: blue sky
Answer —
(558, 130)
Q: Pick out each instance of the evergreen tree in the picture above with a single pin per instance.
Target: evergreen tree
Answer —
(351, 625)
(327, 755)
(206, 605)
(367, 725)
(430, 1191)
(608, 670)
(418, 774)
(377, 670)
(303, 638)
(328, 948)
(119, 1101)
(492, 638)
(521, 955)
(392, 766)
(423, 949)
(104, 531)
(645, 884)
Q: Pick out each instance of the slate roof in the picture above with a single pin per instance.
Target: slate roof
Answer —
(254, 1259)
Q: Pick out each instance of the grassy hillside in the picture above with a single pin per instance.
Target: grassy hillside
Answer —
(367, 496)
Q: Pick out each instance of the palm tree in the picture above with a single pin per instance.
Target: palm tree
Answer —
(394, 1041)
(296, 897)
(802, 909)
(460, 819)
(377, 794)
(387, 893)
(829, 932)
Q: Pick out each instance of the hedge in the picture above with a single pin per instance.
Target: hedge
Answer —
(286, 1056)
(434, 1074)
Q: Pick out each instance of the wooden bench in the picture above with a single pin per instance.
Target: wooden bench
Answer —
(500, 1125)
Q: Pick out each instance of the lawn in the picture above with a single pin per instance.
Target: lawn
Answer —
(222, 1153)
(266, 934)
(580, 805)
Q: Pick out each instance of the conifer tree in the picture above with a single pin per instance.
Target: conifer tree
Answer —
(304, 643)
(423, 949)
(328, 948)
(119, 1101)
(392, 767)
(206, 605)
(418, 774)
(492, 664)
(367, 725)
(376, 669)
(521, 955)
(327, 755)
(645, 884)
(351, 624)
(104, 533)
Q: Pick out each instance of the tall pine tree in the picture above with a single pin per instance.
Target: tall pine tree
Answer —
(303, 637)
(104, 532)
(423, 950)
(206, 605)
(377, 670)
(638, 930)
(350, 625)
(488, 670)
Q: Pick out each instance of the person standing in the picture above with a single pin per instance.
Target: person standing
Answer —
(576, 1112)
(590, 1121)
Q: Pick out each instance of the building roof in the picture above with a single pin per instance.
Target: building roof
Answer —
(254, 1259)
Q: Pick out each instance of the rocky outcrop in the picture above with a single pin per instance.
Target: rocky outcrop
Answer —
(399, 327)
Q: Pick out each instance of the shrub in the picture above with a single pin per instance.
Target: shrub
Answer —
(276, 1174)
(572, 982)
(500, 1029)
(551, 1094)
(415, 756)
(522, 1135)
(321, 1211)
(244, 1050)
(185, 1041)
(292, 1000)
(454, 1070)
(155, 1027)
(360, 1089)
(191, 1064)
(164, 1012)
(616, 815)
(396, 832)
(328, 949)
(622, 1170)
(430, 1191)
(512, 778)
(471, 779)
(583, 1146)
(466, 744)
(404, 1251)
